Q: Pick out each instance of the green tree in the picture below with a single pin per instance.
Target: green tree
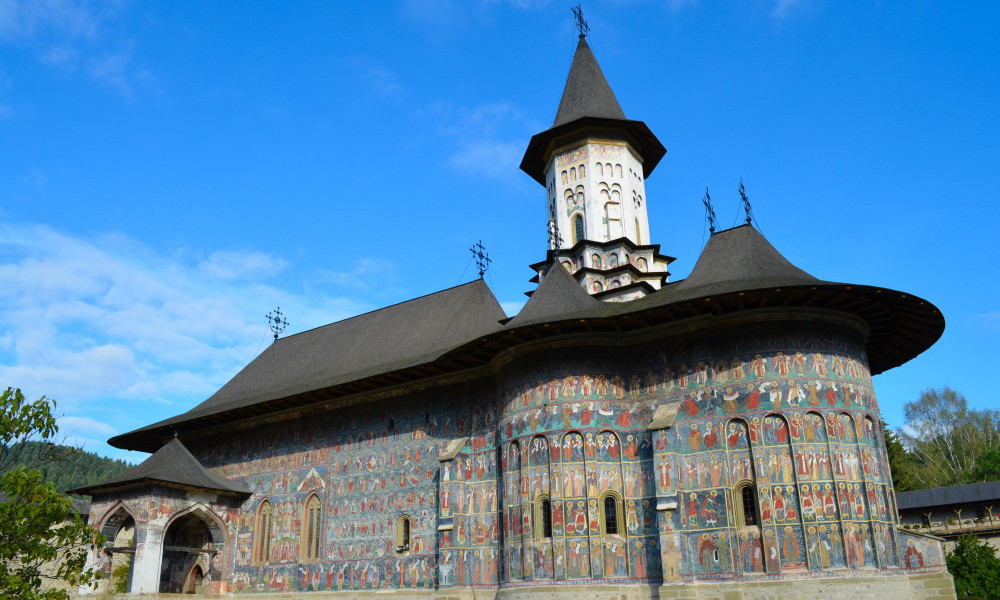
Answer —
(976, 569)
(40, 535)
(988, 466)
(901, 462)
(946, 438)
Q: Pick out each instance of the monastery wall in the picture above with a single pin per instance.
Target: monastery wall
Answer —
(549, 480)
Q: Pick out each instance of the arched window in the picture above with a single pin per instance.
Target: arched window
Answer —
(583, 171)
(265, 526)
(312, 533)
(746, 504)
(572, 173)
(610, 511)
(577, 228)
(543, 517)
(403, 534)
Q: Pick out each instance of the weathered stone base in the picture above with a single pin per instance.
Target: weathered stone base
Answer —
(927, 586)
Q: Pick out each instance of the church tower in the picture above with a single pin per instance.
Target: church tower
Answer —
(593, 162)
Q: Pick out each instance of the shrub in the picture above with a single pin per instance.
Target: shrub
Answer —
(976, 569)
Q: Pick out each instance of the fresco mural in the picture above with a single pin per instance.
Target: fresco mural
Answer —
(560, 480)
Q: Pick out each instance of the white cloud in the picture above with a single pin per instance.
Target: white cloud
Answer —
(489, 158)
(782, 8)
(380, 78)
(488, 138)
(512, 307)
(112, 329)
(987, 320)
(224, 264)
(365, 274)
(84, 426)
(76, 36)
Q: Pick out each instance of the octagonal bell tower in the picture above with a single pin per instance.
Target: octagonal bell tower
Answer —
(593, 163)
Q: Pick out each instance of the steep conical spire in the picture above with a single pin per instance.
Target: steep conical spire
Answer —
(587, 93)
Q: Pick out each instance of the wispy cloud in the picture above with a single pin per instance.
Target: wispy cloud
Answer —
(113, 329)
(987, 320)
(782, 9)
(76, 36)
(488, 138)
(230, 265)
(377, 76)
(366, 274)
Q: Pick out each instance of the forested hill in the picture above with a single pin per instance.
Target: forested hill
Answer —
(64, 466)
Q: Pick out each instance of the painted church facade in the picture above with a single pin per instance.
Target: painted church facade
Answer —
(622, 436)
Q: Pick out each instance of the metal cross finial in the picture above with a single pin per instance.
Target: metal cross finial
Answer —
(482, 259)
(746, 202)
(581, 23)
(709, 211)
(277, 321)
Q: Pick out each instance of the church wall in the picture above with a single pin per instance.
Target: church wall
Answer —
(787, 408)
(369, 465)
(572, 431)
(790, 410)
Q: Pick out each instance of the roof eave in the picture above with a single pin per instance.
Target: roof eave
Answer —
(541, 146)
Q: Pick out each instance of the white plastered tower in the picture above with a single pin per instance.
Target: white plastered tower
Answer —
(593, 163)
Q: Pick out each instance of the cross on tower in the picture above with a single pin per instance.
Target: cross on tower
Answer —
(277, 321)
(709, 211)
(581, 23)
(746, 202)
(482, 259)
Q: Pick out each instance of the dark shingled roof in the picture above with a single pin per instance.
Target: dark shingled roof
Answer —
(559, 295)
(459, 328)
(410, 333)
(171, 464)
(947, 496)
(587, 93)
(740, 258)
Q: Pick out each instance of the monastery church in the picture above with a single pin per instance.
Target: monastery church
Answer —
(623, 436)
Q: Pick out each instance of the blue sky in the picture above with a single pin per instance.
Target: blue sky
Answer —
(171, 171)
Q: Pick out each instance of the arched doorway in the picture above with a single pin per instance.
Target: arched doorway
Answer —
(119, 530)
(190, 543)
(195, 580)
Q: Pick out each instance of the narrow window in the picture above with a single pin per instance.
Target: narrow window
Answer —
(577, 228)
(610, 515)
(749, 505)
(638, 233)
(313, 507)
(403, 534)
(543, 518)
(264, 526)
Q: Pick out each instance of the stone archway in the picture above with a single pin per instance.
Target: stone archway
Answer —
(120, 530)
(190, 542)
(195, 580)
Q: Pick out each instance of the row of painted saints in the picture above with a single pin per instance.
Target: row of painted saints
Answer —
(822, 546)
(809, 374)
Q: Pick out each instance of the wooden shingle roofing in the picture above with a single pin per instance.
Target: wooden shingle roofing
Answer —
(171, 465)
(460, 328)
